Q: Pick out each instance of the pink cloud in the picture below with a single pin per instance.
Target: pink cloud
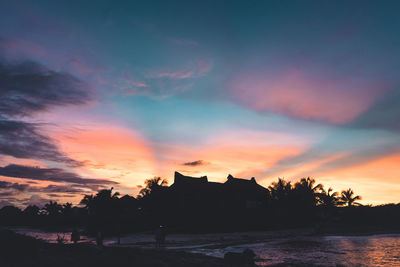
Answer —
(194, 70)
(296, 94)
(180, 74)
(130, 85)
(128, 158)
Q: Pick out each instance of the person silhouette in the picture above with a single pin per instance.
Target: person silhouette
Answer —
(99, 239)
(160, 236)
(75, 236)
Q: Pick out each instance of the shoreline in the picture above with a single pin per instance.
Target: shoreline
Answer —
(181, 250)
(19, 250)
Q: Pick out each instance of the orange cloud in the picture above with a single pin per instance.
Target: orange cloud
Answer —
(243, 154)
(109, 152)
(377, 181)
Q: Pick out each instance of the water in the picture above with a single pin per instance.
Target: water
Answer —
(375, 250)
(49, 237)
(378, 250)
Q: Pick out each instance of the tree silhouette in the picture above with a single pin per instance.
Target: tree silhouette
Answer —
(306, 192)
(152, 185)
(87, 201)
(67, 209)
(53, 208)
(103, 209)
(284, 204)
(106, 194)
(308, 185)
(348, 197)
(328, 198)
(31, 210)
(280, 190)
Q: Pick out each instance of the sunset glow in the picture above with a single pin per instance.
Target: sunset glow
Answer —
(99, 95)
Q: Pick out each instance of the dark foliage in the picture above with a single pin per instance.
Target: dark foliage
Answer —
(196, 205)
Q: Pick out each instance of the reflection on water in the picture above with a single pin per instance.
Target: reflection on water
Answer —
(378, 250)
(50, 237)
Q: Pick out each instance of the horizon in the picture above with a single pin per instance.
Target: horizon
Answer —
(110, 94)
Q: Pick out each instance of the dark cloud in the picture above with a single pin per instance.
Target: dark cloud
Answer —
(195, 163)
(29, 87)
(16, 193)
(52, 195)
(25, 89)
(6, 202)
(33, 200)
(49, 174)
(15, 186)
(23, 140)
(7, 193)
(68, 189)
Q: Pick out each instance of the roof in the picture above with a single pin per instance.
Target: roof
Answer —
(180, 179)
(233, 180)
(245, 186)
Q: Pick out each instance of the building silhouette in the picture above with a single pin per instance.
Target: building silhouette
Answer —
(235, 192)
(197, 201)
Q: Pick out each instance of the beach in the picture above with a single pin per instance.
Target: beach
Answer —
(19, 250)
(295, 247)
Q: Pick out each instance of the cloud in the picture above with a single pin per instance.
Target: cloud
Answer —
(14, 186)
(29, 87)
(195, 163)
(23, 140)
(160, 87)
(179, 74)
(70, 189)
(163, 82)
(342, 148)
(33, 200)
(19, 194)
(52, 188)
(193, 70)
(336, 99)
(129, 84)
(49, 174)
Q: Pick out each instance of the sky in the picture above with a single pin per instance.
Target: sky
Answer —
(110, 93)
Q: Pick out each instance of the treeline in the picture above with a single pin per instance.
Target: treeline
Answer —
(302, 204)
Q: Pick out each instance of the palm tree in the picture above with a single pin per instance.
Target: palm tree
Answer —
(53, 208)
(106, 194)
(347, 197)
(307, 191)
(308, 185)
(152, 185)
(101, 201)
(328, 198)
(103, 209)
(31, 210)
(280, 190)
(87, 201)
(67, 209)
